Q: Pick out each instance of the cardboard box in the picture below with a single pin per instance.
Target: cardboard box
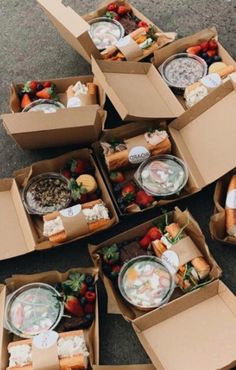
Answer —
(34, 130)
(197, 331)
(136, 90)
(116, 304)
(50, 277)
(198, 138)
(181, 45)
(26, 230)
(74, 28)
(218, 219)
(123, 367)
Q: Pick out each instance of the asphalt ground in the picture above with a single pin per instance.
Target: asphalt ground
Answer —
(30, 48)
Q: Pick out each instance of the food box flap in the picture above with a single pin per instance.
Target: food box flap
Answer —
(16, 234)
(3, 359)
(136, 90)
(39, 121)
(71, 26)
(205, 135)
(202, 322)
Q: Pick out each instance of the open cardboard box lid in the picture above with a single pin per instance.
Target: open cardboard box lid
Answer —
(123, 367)
(15, 231)
(136, 90)
(71, 26)
(197, 332)
(205, 135)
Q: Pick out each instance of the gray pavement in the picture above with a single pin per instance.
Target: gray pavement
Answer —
(30, 48)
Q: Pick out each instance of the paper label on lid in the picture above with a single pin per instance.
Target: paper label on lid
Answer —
(231, 199)
(172, 260)
(44, 351)
(211, 81)
(72, 211)
(138, 154)
(74, 221)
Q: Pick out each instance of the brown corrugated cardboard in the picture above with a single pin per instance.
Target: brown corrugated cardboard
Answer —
(196, 137)
(115, 302)
(197, 331)
(124, 367)
(33, 130)
(181, 45)
(136, 90)
(218, 219)
(50, 277)
(26, 231)
(74, 28)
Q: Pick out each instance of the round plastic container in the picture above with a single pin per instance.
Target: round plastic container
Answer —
(146, 282)
(181, 70)
(53, 196)
(33, 309)
(162, 176)
(105, 32)
(45, 105)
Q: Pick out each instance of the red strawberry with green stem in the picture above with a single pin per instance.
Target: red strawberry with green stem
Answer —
(115, 271)
(47, 93)
(78, 166)
(75, 283)
(111, 255)
(143, 199)
(145, 242)
(154, 233)
(117, 177)
(72, 305)
(30, 86)
(78, 191)
(90, 296)
(25, 101)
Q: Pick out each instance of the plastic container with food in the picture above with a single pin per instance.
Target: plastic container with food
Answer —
(105, 32)
(46, 193)
(33, 309)
(181, 70)
(44, 105)
(162, 176)
(146, 282)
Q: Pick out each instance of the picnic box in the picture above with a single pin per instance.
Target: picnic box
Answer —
(21, 232)
(218, 219)
(203, 137)
(50, 277)
(34, 130)
(74, 28)
(180, 46)
(197, 331)
(116, 304)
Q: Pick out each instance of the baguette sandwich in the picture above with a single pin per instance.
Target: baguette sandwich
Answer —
(116, 153)
(190, 275)
(71, 348)
(96, 215)
(230, 208)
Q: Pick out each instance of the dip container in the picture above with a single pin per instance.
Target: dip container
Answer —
(105, 32)
(181, 70)
(47, 200)
(33, 309)
(146, 282)
(45, 105)
(162, 176)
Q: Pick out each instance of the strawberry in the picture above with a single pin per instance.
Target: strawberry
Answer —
(194, 50)
(112, 7)
(211, 53)
(78, 166)
(82, 288)
(111, 255)
(204, 46)
(25, 101)
(75, 283)
(89, 308)
(47, 84)
(143, 199)
(213, 45)
(128, 189)
(123, 9)
(143, 24)
(30, 86)
(154, 233)
(145, 242)
(47, 93)
(115, 271)
(72, 305)
(117, 177)
(66, 173)
(77, 191)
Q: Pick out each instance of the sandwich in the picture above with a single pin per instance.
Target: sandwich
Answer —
(71, 349)
(116, 152)
(95, 216)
